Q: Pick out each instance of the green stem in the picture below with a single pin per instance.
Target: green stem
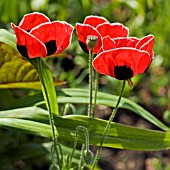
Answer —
(90, 107)
(95, 92)
(74, 148)
(108, 125)
(80, 165)
(76, 140)
(49, 95)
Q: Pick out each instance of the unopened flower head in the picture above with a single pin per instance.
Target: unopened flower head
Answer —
(92, 41)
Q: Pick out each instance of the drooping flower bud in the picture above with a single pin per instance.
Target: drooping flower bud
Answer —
(88, 157)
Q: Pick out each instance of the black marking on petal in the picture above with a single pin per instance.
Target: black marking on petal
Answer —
(84, 47)
(51, 47)
(23, 50)
(123, 72)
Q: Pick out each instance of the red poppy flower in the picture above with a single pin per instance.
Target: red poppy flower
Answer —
(100, 27)
(125, 57)
(37, 36)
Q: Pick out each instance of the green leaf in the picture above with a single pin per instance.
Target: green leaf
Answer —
(15, 71)
(46, 79)
(81, 96)
(119, 136)
(29, 113)
(8, 38)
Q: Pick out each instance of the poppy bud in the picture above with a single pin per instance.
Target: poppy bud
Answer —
(92, 41)
(88, 157)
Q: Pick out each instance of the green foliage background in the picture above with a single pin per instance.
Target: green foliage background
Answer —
(152, 89)
(141, 16)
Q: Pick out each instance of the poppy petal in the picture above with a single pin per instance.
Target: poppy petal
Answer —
(83, 31)
(28, 45)
(125, 42)
(94, 20)
(113, 30)
(55, 35)
(67, 36)
(108, 43)
(121, 63)
(31, 20)
(146, 44)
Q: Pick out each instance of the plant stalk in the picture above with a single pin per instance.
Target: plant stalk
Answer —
(95, 92)
(90, 106)
(108, 126)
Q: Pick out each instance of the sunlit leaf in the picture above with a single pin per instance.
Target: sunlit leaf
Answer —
(16, 72)
(119, 136)
(8, 38)
(80, 96)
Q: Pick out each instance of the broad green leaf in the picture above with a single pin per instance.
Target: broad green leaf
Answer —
(16, 72)
(119, 136)
(8, 38)
(80, 96)
(29, 113)
(48, 89)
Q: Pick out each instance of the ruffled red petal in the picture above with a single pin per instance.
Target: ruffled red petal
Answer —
(146, 43)
(31, 20)
(113, 30)
(28, 45)
(125, 42)
(133, 59)
(66, 38)
(108, 43)
(94, 20)
(55, 35)
(83, 31)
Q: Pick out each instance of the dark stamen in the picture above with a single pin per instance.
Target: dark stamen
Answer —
(23, 50)
(123, 72)
(51, 47)
(84, 47)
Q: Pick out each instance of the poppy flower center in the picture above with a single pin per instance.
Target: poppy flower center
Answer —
(84, 47)
(23, 50)
(123, 72)
(51, 47)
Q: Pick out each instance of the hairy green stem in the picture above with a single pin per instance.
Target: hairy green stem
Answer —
(76, 140)
(80, 165)
(90, 107)
(108, 126)
(95, 92)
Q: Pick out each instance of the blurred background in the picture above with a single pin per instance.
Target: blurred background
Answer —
(151, 90)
